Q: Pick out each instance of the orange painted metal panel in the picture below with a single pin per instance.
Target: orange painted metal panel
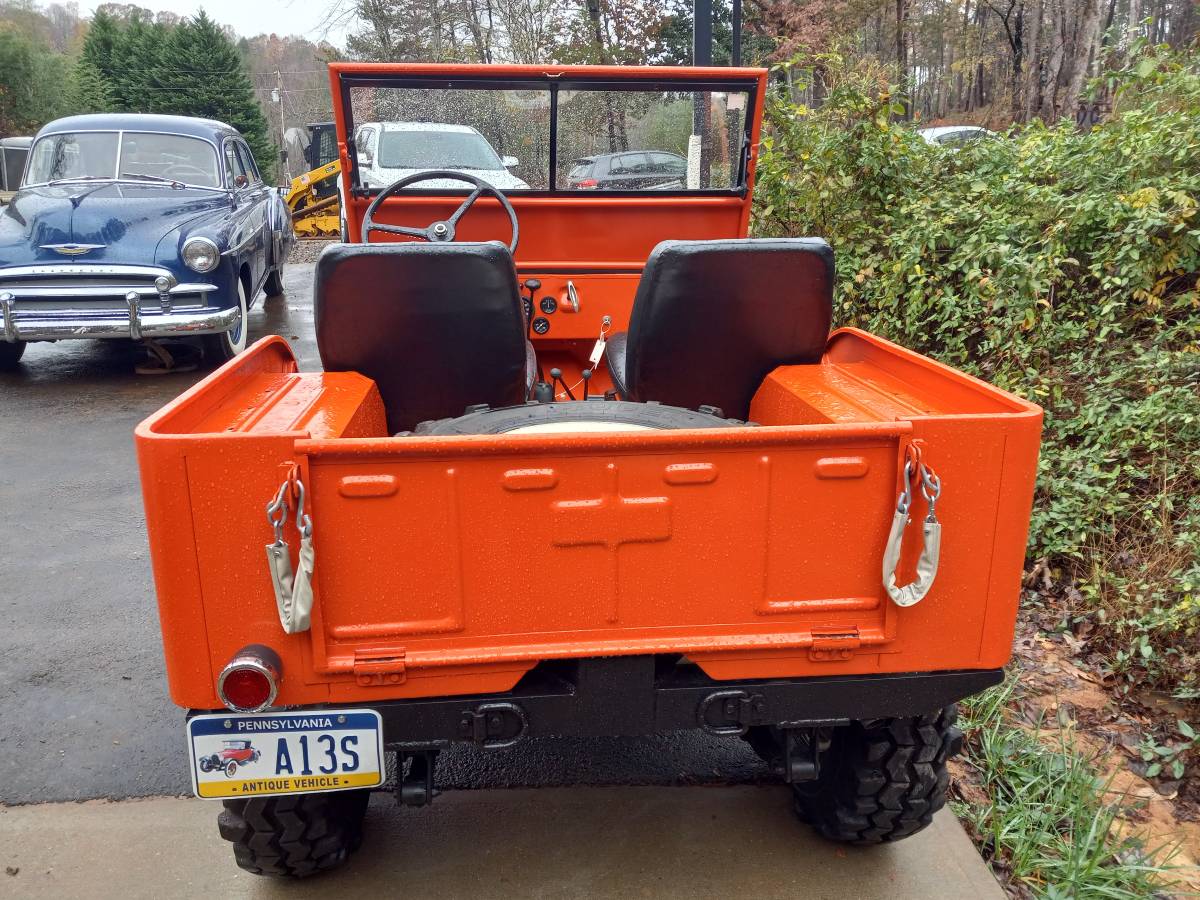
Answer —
(450, 565)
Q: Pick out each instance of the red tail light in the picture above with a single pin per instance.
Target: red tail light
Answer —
(587, 184)
(251, 679)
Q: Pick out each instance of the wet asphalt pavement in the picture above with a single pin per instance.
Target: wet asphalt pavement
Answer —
(84, 711)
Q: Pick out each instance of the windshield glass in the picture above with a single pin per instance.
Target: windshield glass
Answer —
(435, 150)
(607, 138)
(144, 157)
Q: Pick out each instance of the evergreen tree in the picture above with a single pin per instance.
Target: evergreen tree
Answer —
(33, 83)
(145, 51)
(102, 50)
(17, 83)
(198, 72)
(90, 91)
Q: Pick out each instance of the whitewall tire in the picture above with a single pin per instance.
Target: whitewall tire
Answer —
(220, 348)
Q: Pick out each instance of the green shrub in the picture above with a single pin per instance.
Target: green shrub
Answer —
(1063, 266)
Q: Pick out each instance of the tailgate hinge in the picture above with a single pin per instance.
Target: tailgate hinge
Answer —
(379, 667)
(834, 646)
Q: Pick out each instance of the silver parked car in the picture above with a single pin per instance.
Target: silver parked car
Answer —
(955, 135)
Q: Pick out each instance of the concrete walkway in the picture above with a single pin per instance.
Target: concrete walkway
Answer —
(619, 842)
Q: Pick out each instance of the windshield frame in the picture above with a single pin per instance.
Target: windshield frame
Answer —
(116, 176)
(737, 81)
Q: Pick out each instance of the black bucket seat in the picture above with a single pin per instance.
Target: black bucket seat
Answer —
(438, 327)
(711, 319)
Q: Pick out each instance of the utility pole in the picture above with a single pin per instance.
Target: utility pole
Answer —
(699, 151)
(277, 96)
(736, 55)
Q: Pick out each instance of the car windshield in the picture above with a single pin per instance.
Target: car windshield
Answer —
(569, 136)
(436, 150)
(144, 156)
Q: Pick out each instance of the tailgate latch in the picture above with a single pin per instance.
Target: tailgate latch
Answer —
(379, 667)
(834, 647)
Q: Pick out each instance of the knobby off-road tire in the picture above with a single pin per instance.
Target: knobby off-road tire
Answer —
(881, 780)
(294, 836)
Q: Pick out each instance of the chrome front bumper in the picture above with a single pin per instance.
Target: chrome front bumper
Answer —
(63, 302)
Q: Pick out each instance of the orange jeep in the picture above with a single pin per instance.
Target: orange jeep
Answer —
(583, 459)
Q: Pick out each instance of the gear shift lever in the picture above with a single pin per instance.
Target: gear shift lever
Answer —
(532, 285)
(556, 379)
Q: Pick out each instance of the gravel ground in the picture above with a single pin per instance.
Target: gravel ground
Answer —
(307, 251)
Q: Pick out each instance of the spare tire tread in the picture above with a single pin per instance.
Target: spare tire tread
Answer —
(509, 418)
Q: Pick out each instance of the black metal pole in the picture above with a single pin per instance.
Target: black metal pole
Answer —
(702, 33)
(736, 58)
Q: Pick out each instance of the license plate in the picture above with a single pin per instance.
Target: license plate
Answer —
(285, 753)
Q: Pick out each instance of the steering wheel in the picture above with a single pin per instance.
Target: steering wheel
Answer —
(442, 230)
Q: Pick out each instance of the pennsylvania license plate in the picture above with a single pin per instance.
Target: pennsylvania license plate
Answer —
(285, 753)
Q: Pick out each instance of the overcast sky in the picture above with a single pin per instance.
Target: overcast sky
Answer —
(251, 17)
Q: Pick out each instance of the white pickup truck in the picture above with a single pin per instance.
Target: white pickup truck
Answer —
(389, 151)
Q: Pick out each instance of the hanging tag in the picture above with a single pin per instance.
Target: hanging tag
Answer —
(597, 352)
(598, 347)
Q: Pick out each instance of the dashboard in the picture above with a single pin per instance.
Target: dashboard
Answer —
(576, 305)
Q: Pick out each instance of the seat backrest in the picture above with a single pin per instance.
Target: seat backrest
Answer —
(439, 327)
(711, 319)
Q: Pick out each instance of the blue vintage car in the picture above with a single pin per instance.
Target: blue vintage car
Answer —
(139, 227)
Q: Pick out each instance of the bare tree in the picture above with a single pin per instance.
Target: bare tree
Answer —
(1085, 45)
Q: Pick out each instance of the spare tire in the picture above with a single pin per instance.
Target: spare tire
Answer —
(575, 417)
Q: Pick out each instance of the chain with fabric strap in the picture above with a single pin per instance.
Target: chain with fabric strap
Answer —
(293, 589)
(915, 469)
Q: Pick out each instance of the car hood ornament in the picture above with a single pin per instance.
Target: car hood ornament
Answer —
(73, 249)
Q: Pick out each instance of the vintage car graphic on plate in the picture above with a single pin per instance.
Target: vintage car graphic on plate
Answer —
(233, 753)
(139, 227)
(285, 753)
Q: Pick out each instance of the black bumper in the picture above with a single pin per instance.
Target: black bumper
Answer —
(636, 695)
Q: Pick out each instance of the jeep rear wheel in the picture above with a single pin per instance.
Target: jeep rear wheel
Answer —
(881, 780)
(294, 836)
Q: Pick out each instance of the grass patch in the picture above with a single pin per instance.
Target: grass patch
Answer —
(1042, 815)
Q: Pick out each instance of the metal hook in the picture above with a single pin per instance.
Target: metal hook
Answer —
(303, 522)
(931, 488)
(905, 495)
(278, 505)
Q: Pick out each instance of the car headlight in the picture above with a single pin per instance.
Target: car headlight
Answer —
(200, 254)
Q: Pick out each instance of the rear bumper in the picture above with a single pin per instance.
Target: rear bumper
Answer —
(637, 695)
